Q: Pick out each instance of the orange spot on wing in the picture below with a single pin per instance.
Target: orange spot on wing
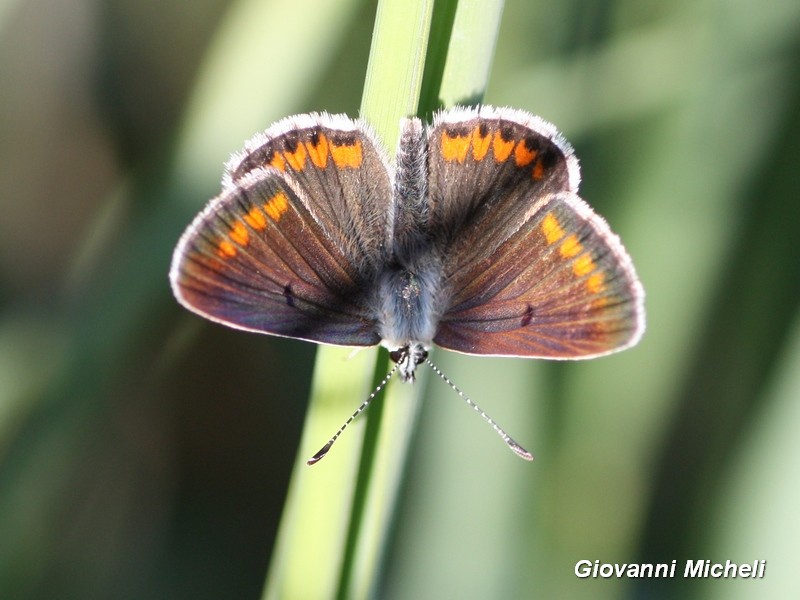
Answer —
(480, 145)
(583, 265)
(501, 148)
(570, 247)
(256, 219)
(455, 147)
(538, 170)
(600, 303)
(278, 161)
(296, 159)
(318, 153)
(239, 234)
(523, 156)
(603, 328)
(551, 229)
(596, 282)
(349, 155)
(225, 249)
(276, 206)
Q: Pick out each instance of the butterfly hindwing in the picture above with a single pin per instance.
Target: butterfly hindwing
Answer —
(561, 287)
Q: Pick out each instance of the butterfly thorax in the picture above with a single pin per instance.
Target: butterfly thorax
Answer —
(409, 288)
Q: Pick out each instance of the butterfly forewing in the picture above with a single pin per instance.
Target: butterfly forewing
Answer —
(486, 169)
(337, 166)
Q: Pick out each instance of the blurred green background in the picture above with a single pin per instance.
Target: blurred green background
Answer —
(146, 454)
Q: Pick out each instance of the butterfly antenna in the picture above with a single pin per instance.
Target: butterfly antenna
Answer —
(324, 450)
(515, 447)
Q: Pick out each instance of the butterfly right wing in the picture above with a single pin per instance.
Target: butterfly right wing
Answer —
(529, 269)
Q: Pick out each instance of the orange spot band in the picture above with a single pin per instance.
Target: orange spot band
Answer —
(348, 155)
(296, 159)
(583, 265)
(318, 153)
(454, 148)
(480, 145)
(523, 156)
(276, 206)
(551, 229)
(501, 148)
(226, 250)
(538, 170)
(256, 219)
(595, 282)
(239, 234)
(570, 247)
(278, 161)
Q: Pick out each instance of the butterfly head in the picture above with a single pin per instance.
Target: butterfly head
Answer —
(407, 359)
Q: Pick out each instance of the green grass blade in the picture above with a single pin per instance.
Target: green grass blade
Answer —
(313, 528)
(340, 528)
(470, 52)
(145, 453)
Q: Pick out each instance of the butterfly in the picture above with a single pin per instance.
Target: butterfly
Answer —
(473, 239)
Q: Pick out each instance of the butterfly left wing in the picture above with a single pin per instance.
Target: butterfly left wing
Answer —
(294, 243)
(529, 269)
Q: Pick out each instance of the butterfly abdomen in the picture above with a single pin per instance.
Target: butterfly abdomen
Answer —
(410, 304)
